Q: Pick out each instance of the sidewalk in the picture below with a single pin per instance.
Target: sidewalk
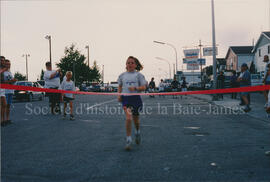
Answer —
(257, 104)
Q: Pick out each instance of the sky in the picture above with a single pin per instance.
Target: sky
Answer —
(116, 29)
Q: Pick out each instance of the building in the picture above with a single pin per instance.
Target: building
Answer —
(237, 55)
(261, 48)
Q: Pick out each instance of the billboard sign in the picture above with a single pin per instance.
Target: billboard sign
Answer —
(191, 53)
(208, 51)
(193, 66)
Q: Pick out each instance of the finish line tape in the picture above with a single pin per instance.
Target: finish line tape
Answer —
(215, 91)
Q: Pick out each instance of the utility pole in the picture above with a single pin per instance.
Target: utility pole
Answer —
(26, 60)
(214, 47)
(87, 47)
(200, 45)
(50, 46)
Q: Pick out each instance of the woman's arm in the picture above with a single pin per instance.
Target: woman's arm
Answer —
(119, 91)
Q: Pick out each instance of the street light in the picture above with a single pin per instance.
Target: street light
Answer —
(159, 58)
(26, 56)
(172, 46)
(50, 46)
(87, 47)
(214, 49)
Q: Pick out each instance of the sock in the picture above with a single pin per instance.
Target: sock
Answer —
(137, 131)
(129, 138)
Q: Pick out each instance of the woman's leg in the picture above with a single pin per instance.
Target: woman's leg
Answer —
(128, 113)
(71, 107)
(3, 109)
(136, 122)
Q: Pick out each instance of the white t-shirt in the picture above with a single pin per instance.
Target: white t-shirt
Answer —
(69, 86)
(8, 76)
(131, 79)
(161, 86)
(51, 83)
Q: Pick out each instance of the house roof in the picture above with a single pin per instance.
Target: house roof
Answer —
(263, 34)
(238, 50)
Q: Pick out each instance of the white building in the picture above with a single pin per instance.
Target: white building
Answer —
(261, 49)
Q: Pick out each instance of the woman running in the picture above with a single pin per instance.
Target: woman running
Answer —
(132, 81)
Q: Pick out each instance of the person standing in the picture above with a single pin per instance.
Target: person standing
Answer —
(175, 86)
(221, 83)
(8, 79)
(245, 80)
(184, 85)
(68, 85)
(52, 81)
(152, 86)
(234, 84)
(3, 104)
(161, 87)
(131, 81)
(266, 79)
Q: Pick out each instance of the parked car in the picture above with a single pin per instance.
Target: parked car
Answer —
(28, 95)
(256, 79)
(114, 86)
(194, 86)
(41, 82)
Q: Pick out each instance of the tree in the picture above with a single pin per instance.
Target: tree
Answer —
(74, 61)
(42, 75)
(19, 76)
(252, 68)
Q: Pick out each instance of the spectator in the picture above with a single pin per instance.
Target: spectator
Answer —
(266, 79)
(245, 80)
(220, 83)
(268, 106)
(175, 86)
(152, 87)
(161, 87)
(184, 85)
(234, 84)
(52, 81)
(2, 91)
(8, 79)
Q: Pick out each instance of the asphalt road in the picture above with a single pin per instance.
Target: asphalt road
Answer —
(186, 143)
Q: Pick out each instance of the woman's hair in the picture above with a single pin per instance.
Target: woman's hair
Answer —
(139, 66)
(68, 72)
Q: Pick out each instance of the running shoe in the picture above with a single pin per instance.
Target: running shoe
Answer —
(267, 153)
(247, 109)
(138, 138)
(72, 117)
(128, 145)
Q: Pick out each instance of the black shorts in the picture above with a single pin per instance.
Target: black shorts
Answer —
(67, 99)
(54, 97)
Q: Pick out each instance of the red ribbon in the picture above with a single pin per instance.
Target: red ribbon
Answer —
(216, 91)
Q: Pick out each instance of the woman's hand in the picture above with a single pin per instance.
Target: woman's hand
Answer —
(119, 98)
(132, 89)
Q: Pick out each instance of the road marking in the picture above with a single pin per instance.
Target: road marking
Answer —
(193, 128)
(101, 104)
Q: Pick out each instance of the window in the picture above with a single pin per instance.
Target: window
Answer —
(260, 54)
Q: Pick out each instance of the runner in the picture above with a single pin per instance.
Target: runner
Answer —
(68, 98)
(131, 81)
(8, 79)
